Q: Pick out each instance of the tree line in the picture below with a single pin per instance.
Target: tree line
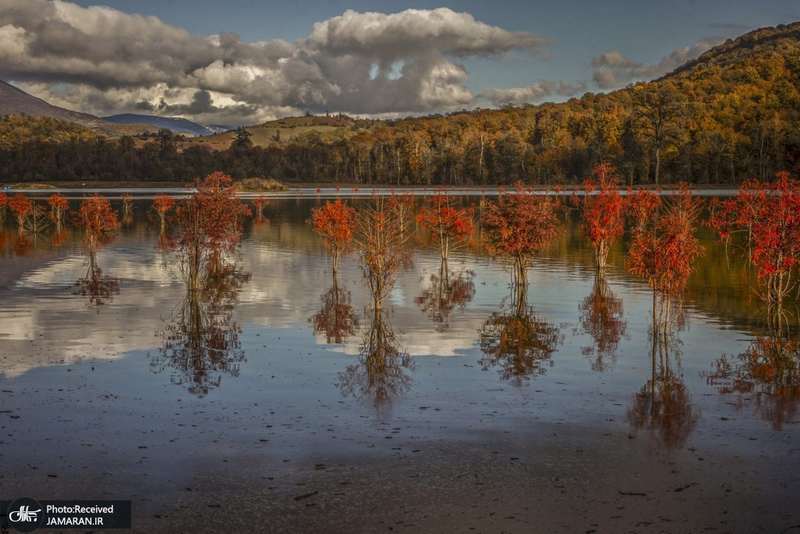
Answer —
(732, 114)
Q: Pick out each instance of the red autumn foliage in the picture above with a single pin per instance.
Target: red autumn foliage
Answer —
(335, 222)
(664, 247)
(769, 217)
(162, 204)
(3, 202)
(21, 207)
(59, 206)
(210, 226)
(602, 209)
(260, 203)
(97, 218)
(449, 226)
(518, 226)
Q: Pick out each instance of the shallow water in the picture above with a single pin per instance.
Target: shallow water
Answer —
(103, 397)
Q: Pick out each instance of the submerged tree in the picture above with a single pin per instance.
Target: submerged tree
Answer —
(769, 217)
(663, 248)
(37, 222)
(336, 223)
(209, 224)
(159, 211)
(602, 211)
(127, 204)
(260, 203)
(98, 220)
(59, 206)
(519, 226)
(382, 240)
(450, 227)
(20, 207)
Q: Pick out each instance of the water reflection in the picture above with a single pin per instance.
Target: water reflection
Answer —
(97, 287)
(446, 291)
(519, 342)
(201, 343)
(769, 370)
(663, 407)
(336, 319)
(603, 319)
(383, 370)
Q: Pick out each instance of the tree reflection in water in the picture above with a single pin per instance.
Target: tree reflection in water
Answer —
(663, 407)
(202, 341)
(519, 342)
(383, 370)
(95, 286)
(602, 318)
(769, 371)
(336, 319)
(446, 291)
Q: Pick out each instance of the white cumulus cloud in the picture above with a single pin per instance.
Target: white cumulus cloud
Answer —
(103, 61)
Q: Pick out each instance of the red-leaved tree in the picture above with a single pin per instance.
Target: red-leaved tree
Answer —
(162, 205)
(209, 223)
(602, 209)
(20, 207)
(518, 226)
(97, 218)
(663, 246)
(768, 215)
(450, 227)
(260, 203)
(59, 206)
(3, 206)
(336, 223)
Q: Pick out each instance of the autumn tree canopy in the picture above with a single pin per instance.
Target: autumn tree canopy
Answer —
(518, 226)
(97, 218)
(602, 210)
(450, 227)
(336, 223)
(209, 224)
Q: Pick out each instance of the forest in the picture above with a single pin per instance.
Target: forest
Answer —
(730, 115)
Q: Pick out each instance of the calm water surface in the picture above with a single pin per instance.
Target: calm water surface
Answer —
(119, 388)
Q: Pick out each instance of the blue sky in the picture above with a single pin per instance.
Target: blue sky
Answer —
(395, 62)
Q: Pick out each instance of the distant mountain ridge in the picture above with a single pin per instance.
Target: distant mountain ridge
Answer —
(15, 101)
(175, 124)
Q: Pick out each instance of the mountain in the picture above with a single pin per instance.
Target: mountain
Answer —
(14, 101)
(177, 125)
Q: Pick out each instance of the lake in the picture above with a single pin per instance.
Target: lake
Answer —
(266, 408)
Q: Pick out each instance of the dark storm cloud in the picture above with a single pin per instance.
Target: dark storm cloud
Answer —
(358, 62)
